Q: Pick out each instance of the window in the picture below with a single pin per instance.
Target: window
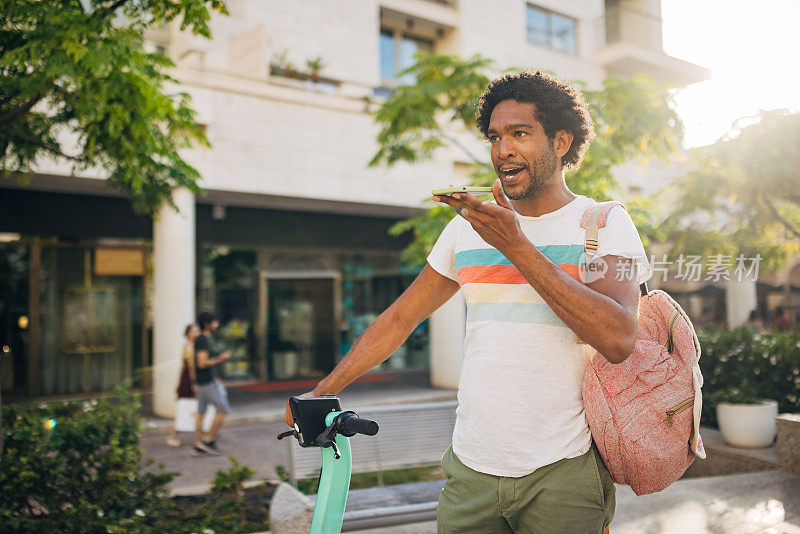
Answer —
(397, 54)
(551, 30)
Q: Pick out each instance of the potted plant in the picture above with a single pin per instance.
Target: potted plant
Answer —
(315, 66)
(281, 66)
(745, 420)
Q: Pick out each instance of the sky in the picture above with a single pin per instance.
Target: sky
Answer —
(751, 48)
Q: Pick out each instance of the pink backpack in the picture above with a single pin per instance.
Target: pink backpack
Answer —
(644, 413)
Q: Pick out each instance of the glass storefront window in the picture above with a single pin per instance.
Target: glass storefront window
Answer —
(228, 288)
(313, 307)
(14, 317)
(91, 325)
(73, 316)
(370, 284)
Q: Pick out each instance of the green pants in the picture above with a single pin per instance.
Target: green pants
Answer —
(571, 496)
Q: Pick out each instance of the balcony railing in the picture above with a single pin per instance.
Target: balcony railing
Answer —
(628, 25)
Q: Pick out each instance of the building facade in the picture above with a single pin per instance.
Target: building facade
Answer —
(289, 243)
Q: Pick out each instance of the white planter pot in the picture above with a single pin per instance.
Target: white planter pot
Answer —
(748, 426)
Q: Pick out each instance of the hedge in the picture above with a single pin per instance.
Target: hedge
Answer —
(77, 467)
(746, 363)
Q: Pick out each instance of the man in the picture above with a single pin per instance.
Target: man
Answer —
(522, 458)
(209, 388)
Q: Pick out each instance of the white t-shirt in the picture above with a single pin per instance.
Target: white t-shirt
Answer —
(519, 396)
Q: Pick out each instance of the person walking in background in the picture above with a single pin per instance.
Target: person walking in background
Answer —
(209, 388)
(186, 387)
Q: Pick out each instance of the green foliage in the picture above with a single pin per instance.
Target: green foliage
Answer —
(86, 474)
(81, 476)
(734, 395)
(633, 119)
(79, 87)
(224, 511)
(232, 481)
(743, 191)
(743, 365)
(413, 120)
(228, 508)
(315, 65)
(426, 229)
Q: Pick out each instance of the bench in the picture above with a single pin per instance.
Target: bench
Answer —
(410, 435)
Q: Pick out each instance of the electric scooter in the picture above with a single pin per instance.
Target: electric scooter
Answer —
(320, 422)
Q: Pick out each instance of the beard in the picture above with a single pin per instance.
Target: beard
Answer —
(539, 174)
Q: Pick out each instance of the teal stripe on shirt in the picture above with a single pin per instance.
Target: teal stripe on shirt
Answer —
(558, 254)
(510, 312)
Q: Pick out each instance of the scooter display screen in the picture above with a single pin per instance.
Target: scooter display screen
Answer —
(309, 416)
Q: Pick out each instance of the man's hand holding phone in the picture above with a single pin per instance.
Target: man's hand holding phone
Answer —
(496, 223)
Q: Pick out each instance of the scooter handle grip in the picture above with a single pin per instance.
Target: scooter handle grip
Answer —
(356, 425)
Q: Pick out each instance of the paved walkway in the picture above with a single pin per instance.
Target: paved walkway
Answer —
(763, 503)
(256, 420)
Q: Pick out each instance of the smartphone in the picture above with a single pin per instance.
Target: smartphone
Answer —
(462, 189)
(309, 416)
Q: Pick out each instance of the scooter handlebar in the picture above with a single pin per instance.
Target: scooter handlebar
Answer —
(352, 424)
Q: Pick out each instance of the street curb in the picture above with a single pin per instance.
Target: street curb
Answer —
(159, 426)
(204, 489)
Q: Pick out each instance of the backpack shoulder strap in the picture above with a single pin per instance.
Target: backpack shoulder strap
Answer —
(594, 218)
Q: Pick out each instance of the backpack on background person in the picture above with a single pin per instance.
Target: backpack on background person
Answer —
(644, 413)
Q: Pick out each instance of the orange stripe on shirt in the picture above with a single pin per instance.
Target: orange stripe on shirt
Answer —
(506, 274)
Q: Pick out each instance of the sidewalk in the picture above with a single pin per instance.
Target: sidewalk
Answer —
(265, 403)
(250, 432)
(750, 503)
(763, 502)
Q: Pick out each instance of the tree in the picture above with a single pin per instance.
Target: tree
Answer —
(633, 119)
(77, 85)
(741, 195)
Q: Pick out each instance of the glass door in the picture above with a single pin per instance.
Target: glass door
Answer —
(90, 318)
(301, 330)
(14, 317)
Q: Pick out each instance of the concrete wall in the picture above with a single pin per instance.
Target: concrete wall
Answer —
(304, 28)
(274, 141)
(277, 136)
(497, 29)
(285, 138)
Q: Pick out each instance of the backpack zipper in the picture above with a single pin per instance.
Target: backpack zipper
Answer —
(678, 409)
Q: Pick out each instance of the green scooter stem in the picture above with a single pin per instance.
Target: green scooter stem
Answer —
(333, 485)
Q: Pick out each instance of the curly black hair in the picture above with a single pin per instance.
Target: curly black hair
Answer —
(206, 318)
(559, 106)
